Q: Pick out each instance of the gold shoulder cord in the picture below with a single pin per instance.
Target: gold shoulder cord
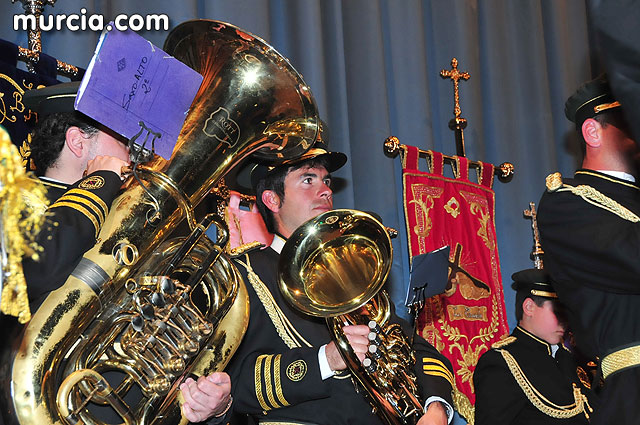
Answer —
(283, 326)
(539, 401)
(592, 196)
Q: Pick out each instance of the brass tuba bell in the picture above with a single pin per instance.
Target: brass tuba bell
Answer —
(149, 310)
(334, 266)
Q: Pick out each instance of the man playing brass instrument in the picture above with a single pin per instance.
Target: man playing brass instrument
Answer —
(286, 370)
(80, 161)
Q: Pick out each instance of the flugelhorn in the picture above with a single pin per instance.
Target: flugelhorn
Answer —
(150, 310)
(334, 266)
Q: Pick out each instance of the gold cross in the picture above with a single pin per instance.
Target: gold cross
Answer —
(455, 75)
(537, 252)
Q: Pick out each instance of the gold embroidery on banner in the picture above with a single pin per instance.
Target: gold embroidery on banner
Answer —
(453, 207)
(442, 335)
(463, 406)
(470, 355)
(25, 150)
(4, 114)
(471, 288)
(478, 207)
(297, 370)
(258, 382)
(278, 384)
(424, 200)
(268, 380)
(466, 312)
(580, 404)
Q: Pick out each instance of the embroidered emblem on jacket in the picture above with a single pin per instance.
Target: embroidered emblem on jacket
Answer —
(297, 370)
(92, 183)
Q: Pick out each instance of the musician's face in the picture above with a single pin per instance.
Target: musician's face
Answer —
(544, 323)
(307, 193)
(108, 145)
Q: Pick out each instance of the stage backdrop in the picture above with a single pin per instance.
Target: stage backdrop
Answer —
(374, 65)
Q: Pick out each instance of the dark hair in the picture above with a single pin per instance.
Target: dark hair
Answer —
(558, 308)
(274, 181)
(48, 137)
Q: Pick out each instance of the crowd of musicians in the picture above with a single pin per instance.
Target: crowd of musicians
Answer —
(572, 358)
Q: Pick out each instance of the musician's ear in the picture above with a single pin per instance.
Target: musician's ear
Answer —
(528, 307)
(271, 200)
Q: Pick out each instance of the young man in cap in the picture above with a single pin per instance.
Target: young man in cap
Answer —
(287, 370)
(530, 377)
(590, 231)
(79, 161)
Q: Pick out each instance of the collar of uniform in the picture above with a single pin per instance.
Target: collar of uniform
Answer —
(619, 175)
(596, 178)
(521, 333)
(277, 243)
(47, 181)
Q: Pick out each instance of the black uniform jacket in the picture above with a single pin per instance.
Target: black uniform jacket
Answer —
(73, 220)
(592, 251)
(275, 373)
(593, 256)
(519, 382)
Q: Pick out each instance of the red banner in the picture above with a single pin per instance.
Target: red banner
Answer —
(463, 322)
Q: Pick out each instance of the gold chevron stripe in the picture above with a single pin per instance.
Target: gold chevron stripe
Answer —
(82, 210)
(258, 382)
(95, 198)
(433, 364)
(278, 384)
(87, 203)
(269, 382)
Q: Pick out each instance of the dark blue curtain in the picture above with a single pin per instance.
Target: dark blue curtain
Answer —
(374, 65)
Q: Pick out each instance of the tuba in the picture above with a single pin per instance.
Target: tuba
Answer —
(334, 266)
(142, 309)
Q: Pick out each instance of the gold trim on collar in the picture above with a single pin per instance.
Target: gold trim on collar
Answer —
(608, 178)
(52, 184)
(541, 341)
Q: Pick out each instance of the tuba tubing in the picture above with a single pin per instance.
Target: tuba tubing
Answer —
(251, 101)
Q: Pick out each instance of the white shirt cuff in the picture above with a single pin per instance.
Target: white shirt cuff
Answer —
(444, 403)
(325, 369)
